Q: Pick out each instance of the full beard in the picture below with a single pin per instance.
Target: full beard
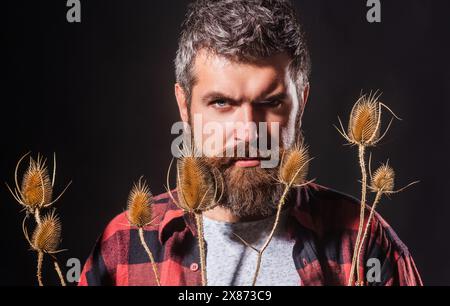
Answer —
(247, 192)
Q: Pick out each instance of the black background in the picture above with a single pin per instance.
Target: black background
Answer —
(100, 95)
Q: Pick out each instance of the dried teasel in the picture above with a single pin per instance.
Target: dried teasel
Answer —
(197, 190)
(364, 130)
(383, 179)
(35, 195)
(36, 186)
(197, 185)
(294, 166)
(45, 240)
(47, 235)
(140, 214)
(364, 127)
(36, 189)
(140, 203)
(382, 183)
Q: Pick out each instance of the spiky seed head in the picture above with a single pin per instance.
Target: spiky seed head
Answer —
(195, 186)
(383, 179)
(140, 203)
(36, 186)
(364, 127)
(295, 165)
(47, 235)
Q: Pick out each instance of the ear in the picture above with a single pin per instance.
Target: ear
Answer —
(182, 102)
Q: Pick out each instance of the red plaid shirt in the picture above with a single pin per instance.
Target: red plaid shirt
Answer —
(322, 222)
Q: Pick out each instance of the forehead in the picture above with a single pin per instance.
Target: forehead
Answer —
(240, 80)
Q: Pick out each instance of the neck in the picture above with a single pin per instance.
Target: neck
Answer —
(223, 214)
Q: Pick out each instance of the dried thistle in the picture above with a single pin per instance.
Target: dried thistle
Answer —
(198, 191)
(364, 127)
(47, 236)
(364, 130)
(36, 188)
(294, 166)
(197, 185)
(383, 179)
(140, 214)
(45, 240)
(35, 194)
(382, 183)
(194, 185)
(196, 194)
(140, 203)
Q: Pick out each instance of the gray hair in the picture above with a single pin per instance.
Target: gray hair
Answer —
(241, 30)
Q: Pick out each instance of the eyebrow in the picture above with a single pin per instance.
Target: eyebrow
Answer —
(216, 95)
(278, 96)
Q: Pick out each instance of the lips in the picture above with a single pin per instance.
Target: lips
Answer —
(247, 163)
(244, 162)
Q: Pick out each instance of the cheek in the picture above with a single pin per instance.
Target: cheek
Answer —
(209, 135)
(212, 130)
(284, 118)
(289, 132)
(287, 127)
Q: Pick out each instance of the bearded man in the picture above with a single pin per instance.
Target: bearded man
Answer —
(247, 61)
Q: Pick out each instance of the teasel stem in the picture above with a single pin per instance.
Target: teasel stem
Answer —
(201, 247)
(366, 230)
(362, 165)
(39, 267)
(150, 255)
(272, 232)
(37, 216)
(58, 270)
(289, 181)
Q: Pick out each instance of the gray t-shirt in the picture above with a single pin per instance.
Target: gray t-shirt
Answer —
(229, 262)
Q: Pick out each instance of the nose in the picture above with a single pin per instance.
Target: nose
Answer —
(246, 126)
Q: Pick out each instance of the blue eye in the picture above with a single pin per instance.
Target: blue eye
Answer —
(220, 103)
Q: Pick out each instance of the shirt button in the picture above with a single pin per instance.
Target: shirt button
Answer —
(194, 266)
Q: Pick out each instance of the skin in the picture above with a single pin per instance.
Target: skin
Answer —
(231, 91)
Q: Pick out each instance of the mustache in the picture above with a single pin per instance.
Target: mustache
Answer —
(222, 160)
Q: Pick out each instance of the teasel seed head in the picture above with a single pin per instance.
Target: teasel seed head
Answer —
(195, 185)
(383, 179)
(294, 165)
(140, 203)
(47, 235)
(36, 186)
(364, 127)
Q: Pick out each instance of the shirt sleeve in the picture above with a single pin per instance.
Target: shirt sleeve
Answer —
(95, 272)
(108, 261)
(388, 261)
(406, 273)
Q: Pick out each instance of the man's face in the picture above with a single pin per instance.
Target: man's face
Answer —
(236, 97)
